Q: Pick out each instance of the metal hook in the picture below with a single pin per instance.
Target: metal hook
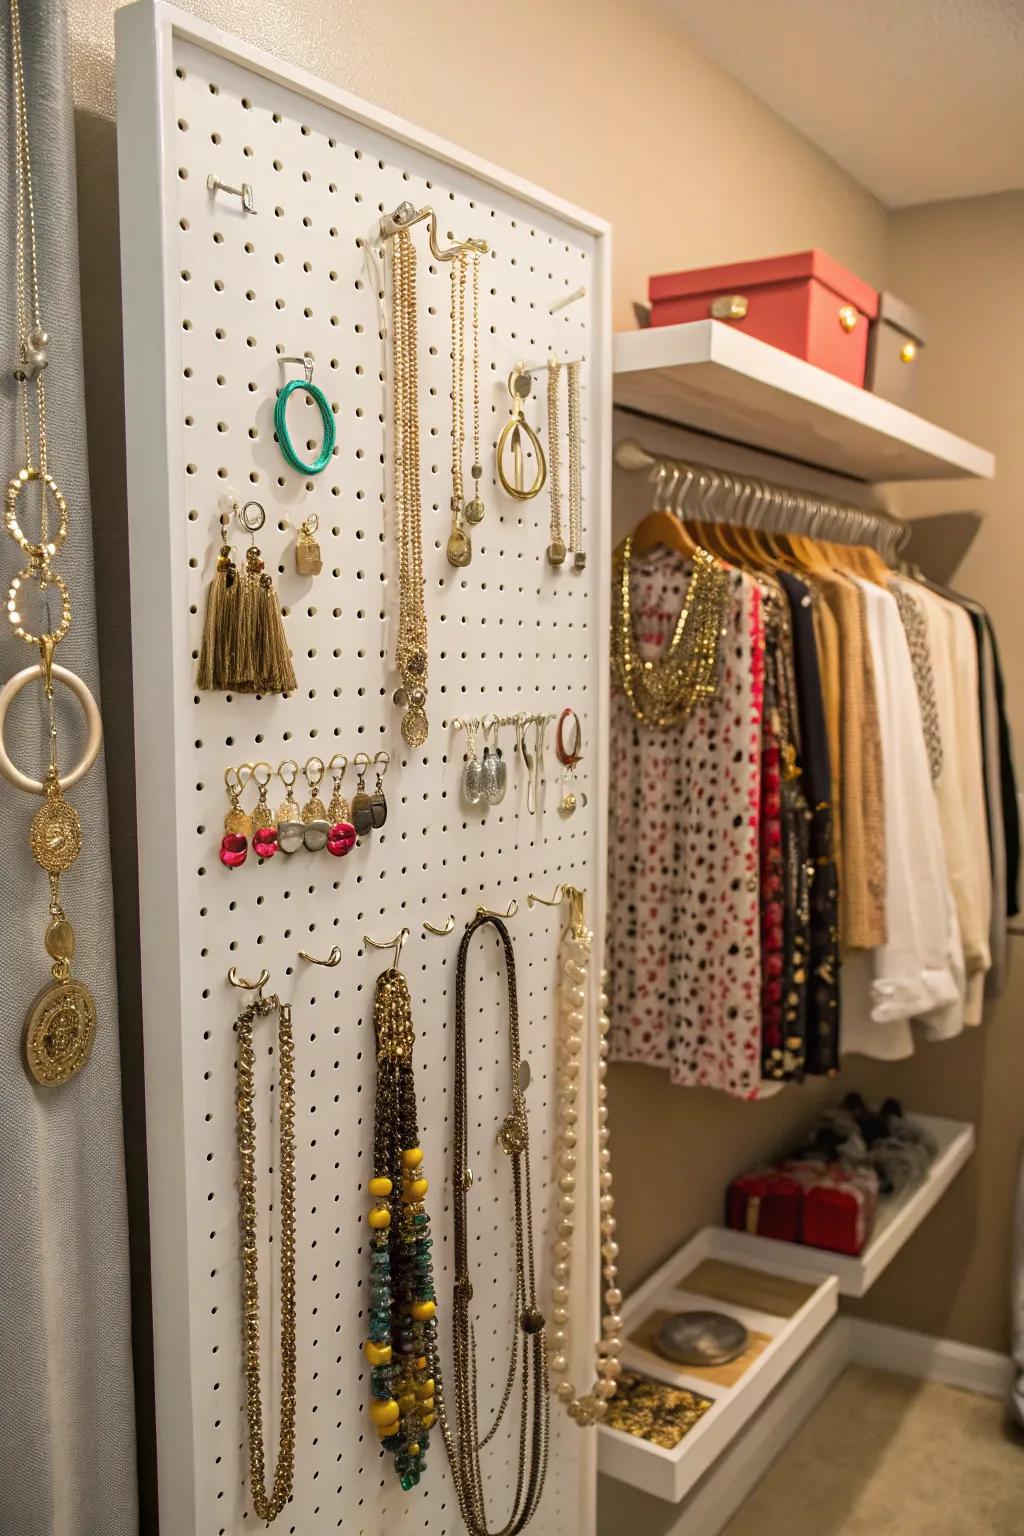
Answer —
(306, 360)
(510, 911)
(405, 216)
(440, 932)
(252, 522)
(396, 943)
(214, 184)
(556, 900)
(248, 986)
(334, 958)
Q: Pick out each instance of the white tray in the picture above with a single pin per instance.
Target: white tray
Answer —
(670, 1474)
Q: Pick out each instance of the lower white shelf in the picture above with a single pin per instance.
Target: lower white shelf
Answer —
(784, 1306)
(898, 1218)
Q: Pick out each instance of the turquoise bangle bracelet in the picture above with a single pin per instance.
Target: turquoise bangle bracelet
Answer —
(323, 458)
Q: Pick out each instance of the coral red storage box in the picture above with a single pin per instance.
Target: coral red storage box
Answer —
(806, 304)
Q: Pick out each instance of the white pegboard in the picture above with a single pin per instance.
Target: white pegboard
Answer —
(213, 296)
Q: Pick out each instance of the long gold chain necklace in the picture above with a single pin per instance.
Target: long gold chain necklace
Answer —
(665, 691)
(61, 1023)
(460, 546)
(267, 1505)
(572, 1018)
(556, 537)
(463, 1441)
(411, 648)
(579, 555)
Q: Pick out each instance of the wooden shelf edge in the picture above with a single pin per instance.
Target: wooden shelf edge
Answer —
(710, 377)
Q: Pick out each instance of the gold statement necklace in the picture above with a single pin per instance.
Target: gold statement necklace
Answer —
(664, 691)
(411, 647)
(61, 1023)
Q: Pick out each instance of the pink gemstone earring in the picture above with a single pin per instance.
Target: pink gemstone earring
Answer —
(341, 838)
(264, 836)
(234, 845)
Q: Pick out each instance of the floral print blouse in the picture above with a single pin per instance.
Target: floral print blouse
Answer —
(684, 926)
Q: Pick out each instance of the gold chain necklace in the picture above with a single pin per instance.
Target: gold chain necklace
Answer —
(61, 1023)
(267, 1506)
(665, 691)
(411, 646)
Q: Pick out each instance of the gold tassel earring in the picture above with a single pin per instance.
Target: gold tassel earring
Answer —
(220, 627)
(262, 661)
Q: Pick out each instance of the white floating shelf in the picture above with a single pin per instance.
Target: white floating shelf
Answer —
(898, 1218)
(784, 1306)
(712, 378)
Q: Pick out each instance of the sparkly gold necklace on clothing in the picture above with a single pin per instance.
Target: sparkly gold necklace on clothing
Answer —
(664, 691)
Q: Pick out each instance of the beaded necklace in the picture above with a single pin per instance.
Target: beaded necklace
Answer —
(402, 1302)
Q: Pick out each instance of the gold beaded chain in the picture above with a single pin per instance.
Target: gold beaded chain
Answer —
(411, 645)
(556, 538)
(575, 468)
(460, 549)
(666, 690)
(267, 1506)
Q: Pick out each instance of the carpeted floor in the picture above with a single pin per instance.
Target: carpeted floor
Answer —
(887, 1456)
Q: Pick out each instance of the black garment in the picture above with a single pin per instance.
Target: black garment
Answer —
(823, 1021)
(1008, 777)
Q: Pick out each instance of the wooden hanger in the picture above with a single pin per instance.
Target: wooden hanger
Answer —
(661, 527)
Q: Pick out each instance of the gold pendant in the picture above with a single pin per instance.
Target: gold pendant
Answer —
(61, 1023)
(55, 834)
(414, 726)
(459, 550)
(308, 560)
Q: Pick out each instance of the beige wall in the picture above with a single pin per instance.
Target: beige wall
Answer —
(960, 263)
(606, 103)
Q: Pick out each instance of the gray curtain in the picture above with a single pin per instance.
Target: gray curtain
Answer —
(67, 1431)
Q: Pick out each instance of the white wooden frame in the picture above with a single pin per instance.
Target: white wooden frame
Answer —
(184, 983)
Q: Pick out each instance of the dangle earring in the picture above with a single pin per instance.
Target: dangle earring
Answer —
(234, 845)
(290, 830)
(362, 810)
(218, 647)
(308, 560)
(493, 772)
(262, 662)
(520, 384)
(264, 835)
(472, 774)
(378, 804)
(316, 827)
(342, 837)
(570, 758)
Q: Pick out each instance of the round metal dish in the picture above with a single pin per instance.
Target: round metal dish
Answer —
(701, 1338)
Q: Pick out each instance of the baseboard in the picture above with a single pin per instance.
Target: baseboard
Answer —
(930, 1359)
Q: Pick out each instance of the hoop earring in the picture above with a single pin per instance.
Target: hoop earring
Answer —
(519, 386)
(316, 394)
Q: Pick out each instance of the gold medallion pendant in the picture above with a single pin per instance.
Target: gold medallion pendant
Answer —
(61, 1023)
(59, 1032)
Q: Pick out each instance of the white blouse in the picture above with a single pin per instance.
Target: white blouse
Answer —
(918, 972)
(960, 786)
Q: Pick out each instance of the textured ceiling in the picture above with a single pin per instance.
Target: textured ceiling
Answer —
(919, 100)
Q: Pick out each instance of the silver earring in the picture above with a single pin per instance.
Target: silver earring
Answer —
(493, 772)
(472, 774)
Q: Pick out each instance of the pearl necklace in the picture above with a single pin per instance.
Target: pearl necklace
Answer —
(572, 998)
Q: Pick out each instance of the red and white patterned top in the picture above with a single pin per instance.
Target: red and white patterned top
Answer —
(684, 941)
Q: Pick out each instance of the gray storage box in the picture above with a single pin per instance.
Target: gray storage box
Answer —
(894, 351)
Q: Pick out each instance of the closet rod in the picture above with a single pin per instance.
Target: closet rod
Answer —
(720, 495)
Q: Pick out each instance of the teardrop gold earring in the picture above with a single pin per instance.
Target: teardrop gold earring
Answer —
(520, 384)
